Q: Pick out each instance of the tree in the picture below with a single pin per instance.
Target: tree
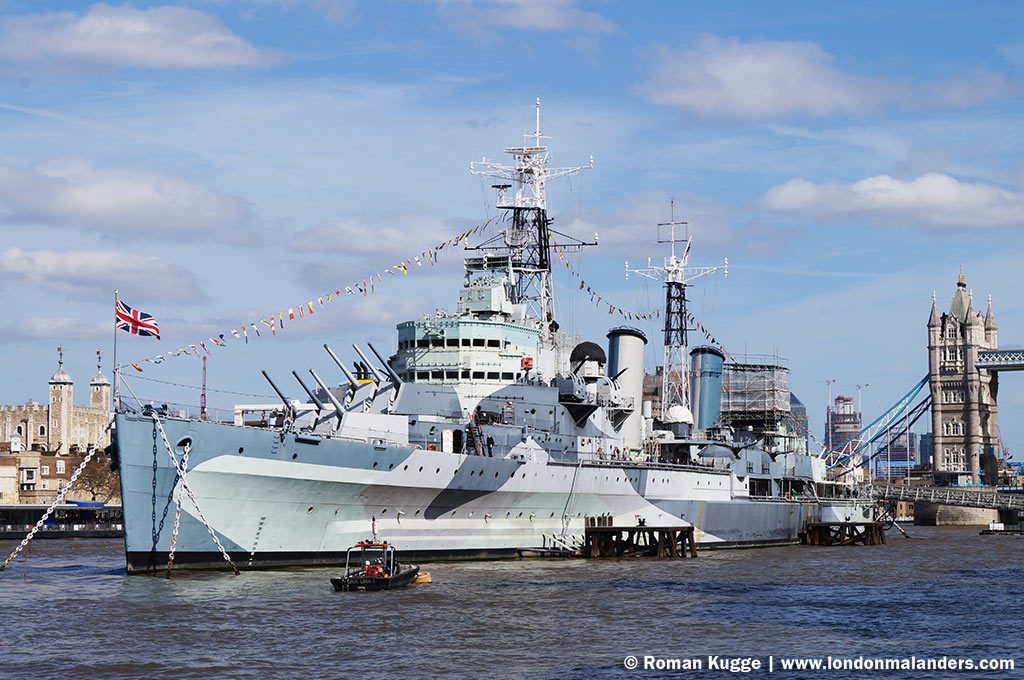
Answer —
(99, 479)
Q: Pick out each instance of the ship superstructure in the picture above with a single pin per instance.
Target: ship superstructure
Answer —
(483, 434)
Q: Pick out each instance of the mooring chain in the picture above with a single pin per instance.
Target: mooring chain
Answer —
(177, 512)
(191, 496)
(57, 501)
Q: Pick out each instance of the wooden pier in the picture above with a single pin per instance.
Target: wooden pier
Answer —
(843, 533)
(639, 541)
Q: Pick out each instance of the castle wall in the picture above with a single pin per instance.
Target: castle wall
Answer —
(14, 416)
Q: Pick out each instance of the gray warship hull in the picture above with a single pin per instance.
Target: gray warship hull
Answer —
(277, 498)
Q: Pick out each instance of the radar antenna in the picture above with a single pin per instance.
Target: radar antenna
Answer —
(526, 240)
(676, 276)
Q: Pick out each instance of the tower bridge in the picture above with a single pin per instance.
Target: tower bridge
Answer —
(1001, 360)
(964, 361)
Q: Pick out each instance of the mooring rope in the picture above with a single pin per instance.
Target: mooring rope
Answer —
(57, 501)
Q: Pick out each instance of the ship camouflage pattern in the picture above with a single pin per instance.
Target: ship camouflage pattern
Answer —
(484, 435)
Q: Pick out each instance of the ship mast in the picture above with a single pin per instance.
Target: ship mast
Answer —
(676, 276)
(526, 239)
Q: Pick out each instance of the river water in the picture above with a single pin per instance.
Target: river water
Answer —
(69, 611)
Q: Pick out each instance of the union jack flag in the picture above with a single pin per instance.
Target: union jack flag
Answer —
(136, 322)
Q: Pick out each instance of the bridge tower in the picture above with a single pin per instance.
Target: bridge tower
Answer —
(964, 424)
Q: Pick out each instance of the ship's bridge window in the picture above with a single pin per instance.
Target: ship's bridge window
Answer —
(494, 343)
(465, 342)
(422, 375)
(506, 376)
(492, 376)
(451, 375)
(478, 342)
(437, 375)
(478, 375)
(423, 342)
(437, 342)
(452, 342)
(465, 375)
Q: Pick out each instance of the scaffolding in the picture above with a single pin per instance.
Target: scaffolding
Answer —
(756, 403)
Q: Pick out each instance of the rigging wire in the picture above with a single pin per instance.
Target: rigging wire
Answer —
(195, 387)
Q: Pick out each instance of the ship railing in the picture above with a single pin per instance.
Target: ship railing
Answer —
(644, 465)
(619, 401)
(89, 526)
(798, 499)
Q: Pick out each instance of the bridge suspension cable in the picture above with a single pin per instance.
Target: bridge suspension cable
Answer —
(854, 447)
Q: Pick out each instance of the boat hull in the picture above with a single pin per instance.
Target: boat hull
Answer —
(276, 499)
(374, 583)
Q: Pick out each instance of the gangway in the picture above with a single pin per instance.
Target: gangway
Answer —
(946, 495)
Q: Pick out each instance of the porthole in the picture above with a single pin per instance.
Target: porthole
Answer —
(495, 475)
(384, 511)
(421, 468)
(374, 463)
(470, 513)
(552, 514)
(438, 471)
(391, 465)
(240, 449)
(294, 456)
(520, 514)
(406, 467)
(453, 513)
(309, 509)
(416, 513)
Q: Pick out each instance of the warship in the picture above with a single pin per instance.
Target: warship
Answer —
(488, 432)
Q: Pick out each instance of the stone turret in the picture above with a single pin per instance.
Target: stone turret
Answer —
(61, 407)
(991, 331)
(99, 386)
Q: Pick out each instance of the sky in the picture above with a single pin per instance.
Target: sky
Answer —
(219, 161)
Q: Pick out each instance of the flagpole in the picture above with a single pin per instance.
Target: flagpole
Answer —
(113, 396)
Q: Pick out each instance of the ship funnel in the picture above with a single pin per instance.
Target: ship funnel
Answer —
(377, 377)
(626, 359)
(706, 385)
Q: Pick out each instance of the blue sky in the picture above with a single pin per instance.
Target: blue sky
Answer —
(220, 161)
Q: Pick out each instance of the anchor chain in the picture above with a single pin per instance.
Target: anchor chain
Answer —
(57, 501)
(177, 513)
(191, 496)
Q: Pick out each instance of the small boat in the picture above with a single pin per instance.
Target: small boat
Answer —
(373, 565)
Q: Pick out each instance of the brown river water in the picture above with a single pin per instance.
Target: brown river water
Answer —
(69, 611)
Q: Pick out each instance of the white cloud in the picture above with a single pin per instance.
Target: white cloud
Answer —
(478, 16)
(60, 328)
(724, 77)
(631, 229)
(131, 204)
(403, 235)
(933, 200)
(161, 37)
(332, 10)
(94, 274)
